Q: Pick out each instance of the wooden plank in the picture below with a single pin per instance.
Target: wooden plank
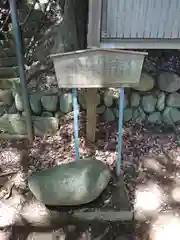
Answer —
(91, 114)
(94, 25)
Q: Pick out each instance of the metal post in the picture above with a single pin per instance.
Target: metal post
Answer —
(76, 110)
(120, 132)
(20, 59)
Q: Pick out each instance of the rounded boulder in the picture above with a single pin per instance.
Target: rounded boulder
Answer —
(73, 183)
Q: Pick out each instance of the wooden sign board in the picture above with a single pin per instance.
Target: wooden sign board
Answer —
(98, 68)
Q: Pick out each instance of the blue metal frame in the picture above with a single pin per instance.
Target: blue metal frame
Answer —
(120, 128)
(120, 131)
(76, 110)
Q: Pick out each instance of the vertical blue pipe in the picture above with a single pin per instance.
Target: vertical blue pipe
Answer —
(20, 59)
(120, 132)
(75, 107)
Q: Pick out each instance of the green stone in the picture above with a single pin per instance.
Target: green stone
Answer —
(135, 99)
(73, 183)
(66, 102)
(35, 103)
(155, 118)
(6, 97)
(49, 103)
(44, 125)
(108, 98)
(100, 109)
(109, 115)
(82, 100)
(128, 112)
(138, 115)
(173, 100)
(2, 110)
(59, 114)
(13, 124)
(171, 115)
(47, 114)
(19, 102)
(166, 116)
(168, 82)
(146, 83)
(149, 103)
(161, 101)
(12, 109)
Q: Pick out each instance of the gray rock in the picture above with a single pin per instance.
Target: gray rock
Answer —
(135, 99)
(6, 97)
(149, 103)
(66, 102)
(47, 114)
(146, 83)
(73, 183)
(19, 102)
(49, 103)
(168, 82)
(35, 103)
(108, 98)
(109, 115)
(128, 113)
(155, 118)
(100, 109)
(12, 109)
(138, 115)
(161, 97)
(173, 100)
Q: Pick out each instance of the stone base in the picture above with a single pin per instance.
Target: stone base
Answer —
(113, 205)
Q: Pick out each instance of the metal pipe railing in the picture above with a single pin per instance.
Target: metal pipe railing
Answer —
(20, 59)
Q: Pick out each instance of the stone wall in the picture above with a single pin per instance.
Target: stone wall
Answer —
(154, 101)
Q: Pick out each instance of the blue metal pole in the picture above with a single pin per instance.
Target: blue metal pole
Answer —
(120, 132)
(20, 59)
(76, 110)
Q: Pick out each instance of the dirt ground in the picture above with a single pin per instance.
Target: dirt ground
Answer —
(143, 151)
